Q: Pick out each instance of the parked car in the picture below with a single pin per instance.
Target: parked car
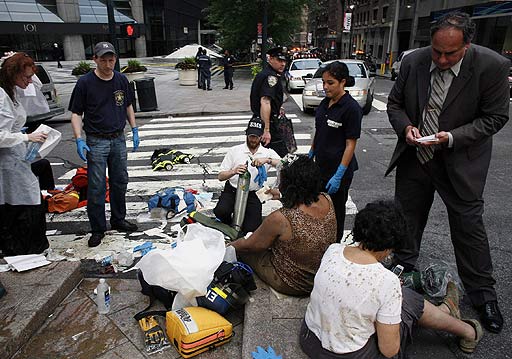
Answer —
(299, 72)
(362, 91)
(47, 87)
(395, 68)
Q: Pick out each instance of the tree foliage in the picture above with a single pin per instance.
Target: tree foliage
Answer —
(236, 20)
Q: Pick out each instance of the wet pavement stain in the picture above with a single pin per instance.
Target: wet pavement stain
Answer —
(78, 331)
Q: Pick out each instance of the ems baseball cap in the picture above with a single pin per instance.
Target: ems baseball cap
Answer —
(277, 52)
(255, 127)
(102, 48)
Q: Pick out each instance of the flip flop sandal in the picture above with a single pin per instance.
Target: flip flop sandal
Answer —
(469, 346)
(452, 300)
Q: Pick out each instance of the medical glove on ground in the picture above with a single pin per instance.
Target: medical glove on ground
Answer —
(334, 183)
(136, 139)
(261, 177)
(311, 153)
(263, 354)
(82, 148)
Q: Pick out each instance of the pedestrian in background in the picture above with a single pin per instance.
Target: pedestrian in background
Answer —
(457, 93)
(337, 128)
(102, 101)
(267, 99)
(57, 54)
(227, 61)
(198, 53)
(205, 64)
(22, 216)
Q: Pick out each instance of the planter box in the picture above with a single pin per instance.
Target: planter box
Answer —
(187, 77)
(134, 75)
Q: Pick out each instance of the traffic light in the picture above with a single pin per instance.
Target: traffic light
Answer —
(130, 30)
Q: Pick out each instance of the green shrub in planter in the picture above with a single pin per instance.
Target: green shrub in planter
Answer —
(82, 68)
(133, 66)
(188, 63)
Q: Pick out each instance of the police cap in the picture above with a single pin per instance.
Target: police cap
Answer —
(277, 52)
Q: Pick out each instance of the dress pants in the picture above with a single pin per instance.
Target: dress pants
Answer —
(414, 190)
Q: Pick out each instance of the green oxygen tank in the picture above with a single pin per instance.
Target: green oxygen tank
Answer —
(242, 192)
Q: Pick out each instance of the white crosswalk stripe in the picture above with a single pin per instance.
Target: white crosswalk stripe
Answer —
(207, 138)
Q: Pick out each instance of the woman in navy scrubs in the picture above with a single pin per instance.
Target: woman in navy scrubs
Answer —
(337, 128)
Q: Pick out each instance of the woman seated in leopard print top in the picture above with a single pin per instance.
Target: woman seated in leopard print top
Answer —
(286, 250)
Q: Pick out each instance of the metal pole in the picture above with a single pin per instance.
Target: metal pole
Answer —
(394, 34)
(199, 32)
(112, 31)
(264, 33)
(342, 28)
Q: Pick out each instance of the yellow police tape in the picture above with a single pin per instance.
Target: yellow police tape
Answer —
(173, 64)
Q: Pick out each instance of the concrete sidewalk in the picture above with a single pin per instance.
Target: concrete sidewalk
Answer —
(172, 99)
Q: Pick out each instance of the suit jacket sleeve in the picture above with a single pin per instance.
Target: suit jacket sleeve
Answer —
(494, 107)
(396, 102)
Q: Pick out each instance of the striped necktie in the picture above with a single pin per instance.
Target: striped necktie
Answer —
(430, 124)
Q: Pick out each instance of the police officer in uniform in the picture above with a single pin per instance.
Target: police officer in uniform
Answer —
(267, 99)
(227, 62)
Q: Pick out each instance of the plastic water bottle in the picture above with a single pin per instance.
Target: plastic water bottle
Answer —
(103, 297)
(32, 150)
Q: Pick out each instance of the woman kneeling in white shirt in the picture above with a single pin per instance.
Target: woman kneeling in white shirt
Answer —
(358, 308)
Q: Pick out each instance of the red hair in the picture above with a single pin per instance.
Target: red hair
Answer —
(12, 68)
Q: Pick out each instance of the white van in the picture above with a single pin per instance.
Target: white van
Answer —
(395, 68)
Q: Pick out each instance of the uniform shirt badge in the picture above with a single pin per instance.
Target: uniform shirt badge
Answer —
(119, 97)
(272, 81)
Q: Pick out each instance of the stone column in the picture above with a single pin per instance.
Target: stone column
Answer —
(73, 45)
(138, 15)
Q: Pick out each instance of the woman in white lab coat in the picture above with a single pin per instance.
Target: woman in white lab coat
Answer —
(22, 217)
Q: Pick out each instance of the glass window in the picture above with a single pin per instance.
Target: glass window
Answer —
(29, 10)
(305, 64)
(20, 7)
(25, 17)
(354, 69)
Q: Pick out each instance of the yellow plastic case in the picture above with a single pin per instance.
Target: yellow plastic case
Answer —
(194, 330)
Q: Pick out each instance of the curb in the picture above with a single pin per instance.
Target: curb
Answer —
(31, 312)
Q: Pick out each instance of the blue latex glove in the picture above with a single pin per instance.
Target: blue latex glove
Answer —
(136, 139)
(334, 183)
(263, 354)
(261, 177)
(81, 146)
(311, 153)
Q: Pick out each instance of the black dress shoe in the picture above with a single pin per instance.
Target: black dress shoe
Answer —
(225, 88)
(490, 317)
(124, 226)
(95, 239)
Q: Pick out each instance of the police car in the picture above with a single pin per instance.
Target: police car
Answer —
(299, 72)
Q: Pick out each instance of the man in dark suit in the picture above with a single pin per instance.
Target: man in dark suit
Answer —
(457, 93)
